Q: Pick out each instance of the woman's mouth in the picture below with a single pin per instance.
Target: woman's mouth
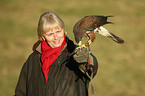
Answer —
(56, 42)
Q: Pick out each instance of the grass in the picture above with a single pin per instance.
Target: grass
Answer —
(121, 67)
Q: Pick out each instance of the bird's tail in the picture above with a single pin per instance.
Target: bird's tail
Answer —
(101, 30)
(109, 23)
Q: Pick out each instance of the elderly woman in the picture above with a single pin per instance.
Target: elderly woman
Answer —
(51, 70)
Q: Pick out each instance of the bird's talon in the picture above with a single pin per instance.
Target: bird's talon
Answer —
(84, 46)
(79, 47)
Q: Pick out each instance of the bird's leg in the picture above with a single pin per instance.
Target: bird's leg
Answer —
(88, 36)
(91, 37)
(89, 41)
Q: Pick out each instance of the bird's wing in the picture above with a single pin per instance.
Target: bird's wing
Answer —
(99, 21)
(101, 30)
(93, 21)
(78, 31)
(88, 23)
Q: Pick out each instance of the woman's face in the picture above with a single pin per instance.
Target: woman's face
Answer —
(54, 38)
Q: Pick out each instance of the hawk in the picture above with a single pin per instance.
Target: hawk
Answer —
(86, 27)
(84, 32)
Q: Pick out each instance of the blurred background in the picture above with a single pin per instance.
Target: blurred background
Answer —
(121, 67)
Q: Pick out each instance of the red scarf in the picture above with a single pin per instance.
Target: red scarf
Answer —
(49, 55)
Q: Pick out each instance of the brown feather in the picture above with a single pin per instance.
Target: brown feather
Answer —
(88, 23)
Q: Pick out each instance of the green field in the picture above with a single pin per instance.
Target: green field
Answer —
(121, 67)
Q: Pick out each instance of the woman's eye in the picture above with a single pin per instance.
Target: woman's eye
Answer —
(50, 34)
(58, 31)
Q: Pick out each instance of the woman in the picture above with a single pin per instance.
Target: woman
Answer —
(51, 69)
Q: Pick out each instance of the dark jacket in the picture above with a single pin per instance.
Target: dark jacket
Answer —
(64, 79)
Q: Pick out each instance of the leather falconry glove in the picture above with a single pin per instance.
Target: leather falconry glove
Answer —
(81, 55)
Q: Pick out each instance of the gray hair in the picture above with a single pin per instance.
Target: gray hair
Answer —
(47, 22)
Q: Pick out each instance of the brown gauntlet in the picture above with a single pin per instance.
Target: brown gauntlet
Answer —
(85, 60)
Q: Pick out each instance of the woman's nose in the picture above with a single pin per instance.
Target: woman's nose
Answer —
(55, 36)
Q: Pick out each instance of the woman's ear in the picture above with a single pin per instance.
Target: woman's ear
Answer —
(65, 33)
(43, 38)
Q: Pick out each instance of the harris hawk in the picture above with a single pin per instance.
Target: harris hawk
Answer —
(85, 29)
